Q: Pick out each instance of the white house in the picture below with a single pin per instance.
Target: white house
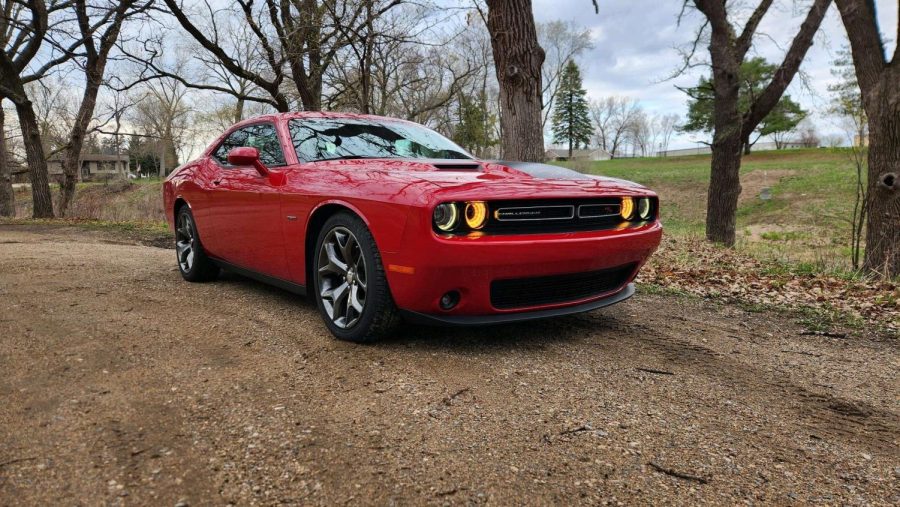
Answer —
(593, 154)
(93, 167)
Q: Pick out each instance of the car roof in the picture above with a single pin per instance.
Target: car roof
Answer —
(315, 115)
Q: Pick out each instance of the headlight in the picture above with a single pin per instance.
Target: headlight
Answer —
(643, 208)
(445, 216)
(476, 214)
(627, 209)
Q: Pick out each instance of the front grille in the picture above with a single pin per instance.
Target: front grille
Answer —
(547, 290)
(522, 216)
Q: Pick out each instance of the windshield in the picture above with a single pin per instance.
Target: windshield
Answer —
(340, 138)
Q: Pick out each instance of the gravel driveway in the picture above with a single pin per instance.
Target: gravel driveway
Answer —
(122, 384)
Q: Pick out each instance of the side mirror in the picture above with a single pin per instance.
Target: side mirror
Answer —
(246, 155)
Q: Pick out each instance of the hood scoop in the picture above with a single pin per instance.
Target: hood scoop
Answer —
(457, 166)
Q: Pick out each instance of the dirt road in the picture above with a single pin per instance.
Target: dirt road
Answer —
(122, 384)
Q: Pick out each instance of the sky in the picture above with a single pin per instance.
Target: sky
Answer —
(635, 51)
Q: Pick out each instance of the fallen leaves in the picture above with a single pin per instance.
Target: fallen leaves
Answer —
(694, 266)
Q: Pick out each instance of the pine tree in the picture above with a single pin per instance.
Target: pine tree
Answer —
(475, 130)
(571, 120)
(755, 74)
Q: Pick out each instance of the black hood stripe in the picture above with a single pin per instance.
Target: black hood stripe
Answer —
(545, 171)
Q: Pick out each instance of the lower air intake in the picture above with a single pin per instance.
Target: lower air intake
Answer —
(555, 289)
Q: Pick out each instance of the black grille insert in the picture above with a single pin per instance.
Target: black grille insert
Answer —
(547, 290)
(522, 216)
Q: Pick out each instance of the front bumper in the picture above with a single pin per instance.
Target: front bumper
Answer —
(506, 318)
(430, 265)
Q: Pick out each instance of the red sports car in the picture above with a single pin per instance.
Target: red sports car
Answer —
(383, 219)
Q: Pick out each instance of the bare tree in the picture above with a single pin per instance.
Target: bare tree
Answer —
(732, 129)
(640, 132)
(517, 58)
(562, 41)
(613, 118)
(879, 80)
(7, 196)
(54, 110)
(298, 40)
(401, 65)
(162, 114)
(25, 33)
(667, 125)
(96, 56)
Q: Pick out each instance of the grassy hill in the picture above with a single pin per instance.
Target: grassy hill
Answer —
(806, 222)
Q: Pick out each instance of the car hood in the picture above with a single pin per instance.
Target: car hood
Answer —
(499, 176)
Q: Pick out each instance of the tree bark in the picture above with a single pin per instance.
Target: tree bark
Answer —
(883, 220)
(724, 180)
(7, 196)
(42, 201)
(517, 58)
(724, 190)
(238, 110)
(879, 81)
(72, 157)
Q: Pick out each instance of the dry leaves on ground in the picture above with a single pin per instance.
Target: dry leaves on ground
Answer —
(697, 267)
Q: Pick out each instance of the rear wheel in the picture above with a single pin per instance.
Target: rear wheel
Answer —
(193, 263)
(350, 286)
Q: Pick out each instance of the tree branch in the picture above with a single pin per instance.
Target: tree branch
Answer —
(746, 38)
(760, 108)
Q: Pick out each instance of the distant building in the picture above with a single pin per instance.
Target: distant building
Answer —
(762, 146)
(94, 167)
(557, 154)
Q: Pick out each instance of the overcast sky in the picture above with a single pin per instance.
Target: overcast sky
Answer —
(635, 53)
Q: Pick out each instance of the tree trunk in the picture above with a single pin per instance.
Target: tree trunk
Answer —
(728, 142)
(72, 157)
(883, 226)
(518, 59)
(724, 190)
(7, 196)
(239, 110)
(42, 201)
(747, 145)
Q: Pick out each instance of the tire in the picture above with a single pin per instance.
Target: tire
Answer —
(348, 275)
(193, 263)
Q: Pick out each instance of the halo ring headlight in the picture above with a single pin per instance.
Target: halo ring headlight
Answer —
(643, 208)
(476, 214)
(627, 209)
(445, 216)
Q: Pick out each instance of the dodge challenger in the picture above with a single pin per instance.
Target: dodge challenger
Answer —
(383, 220)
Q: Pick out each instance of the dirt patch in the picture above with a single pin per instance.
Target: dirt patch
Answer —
(123, 384)
(754, 182)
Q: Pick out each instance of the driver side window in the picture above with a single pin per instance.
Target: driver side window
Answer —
(261, 136)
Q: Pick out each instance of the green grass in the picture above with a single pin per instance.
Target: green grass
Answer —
(806, 222)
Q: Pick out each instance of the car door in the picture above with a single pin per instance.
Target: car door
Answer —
(245, 206)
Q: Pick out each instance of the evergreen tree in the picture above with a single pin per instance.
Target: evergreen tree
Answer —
(571, 119)
(475, 130)
(755, 75)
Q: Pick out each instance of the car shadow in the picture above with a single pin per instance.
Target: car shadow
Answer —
(533, 334)
(232, 279)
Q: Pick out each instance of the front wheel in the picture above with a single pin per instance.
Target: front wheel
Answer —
(193, 263)
(351, 289)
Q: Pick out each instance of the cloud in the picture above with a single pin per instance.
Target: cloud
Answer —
(635, 49)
